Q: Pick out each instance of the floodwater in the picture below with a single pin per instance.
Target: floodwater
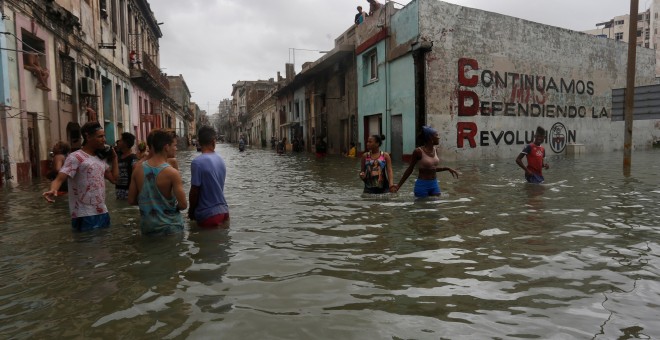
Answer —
(307, 257)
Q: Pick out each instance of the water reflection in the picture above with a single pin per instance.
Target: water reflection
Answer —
(308, 257)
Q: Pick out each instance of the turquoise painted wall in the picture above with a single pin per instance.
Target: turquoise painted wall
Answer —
(5, 95)
(402, 98)
(405, 23)
(371, 93)
(393, 92)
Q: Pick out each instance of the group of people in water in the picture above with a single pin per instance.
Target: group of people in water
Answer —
(376, 165)
(149, 179)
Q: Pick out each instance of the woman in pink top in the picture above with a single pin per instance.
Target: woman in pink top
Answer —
(427, 158)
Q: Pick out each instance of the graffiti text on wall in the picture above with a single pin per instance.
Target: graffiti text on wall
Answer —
(558, 136)
(520, 95)
(526, 95)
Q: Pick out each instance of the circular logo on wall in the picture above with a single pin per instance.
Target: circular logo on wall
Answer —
(558, 137)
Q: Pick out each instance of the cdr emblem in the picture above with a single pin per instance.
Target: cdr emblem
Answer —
(558, 137)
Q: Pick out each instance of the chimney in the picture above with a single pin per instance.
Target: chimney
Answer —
(290, 72)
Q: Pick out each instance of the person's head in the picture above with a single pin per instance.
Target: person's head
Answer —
(93, 135)
(206, 135)
(126, 141)
(539, 136)
(163, 140)
(359, 9)
(375, 141)
(61, 148)
(430, 135)
(352, 144)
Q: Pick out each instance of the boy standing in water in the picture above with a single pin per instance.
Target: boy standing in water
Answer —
(156, 187)
(86, 174)
(207, 184)
(535, 154)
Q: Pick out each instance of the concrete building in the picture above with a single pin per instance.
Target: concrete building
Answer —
(648, 27)
(245, 96)
(63, 62)
(222, 120)
(183, 115)
(486, 80)
(150, 92)
(67, 62)
(321, 101)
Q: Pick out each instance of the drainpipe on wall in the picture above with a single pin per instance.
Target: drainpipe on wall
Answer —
(419, 50)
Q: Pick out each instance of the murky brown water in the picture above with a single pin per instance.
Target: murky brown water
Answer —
(307, 257)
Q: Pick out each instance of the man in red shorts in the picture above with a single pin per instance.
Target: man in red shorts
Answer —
(207, 184)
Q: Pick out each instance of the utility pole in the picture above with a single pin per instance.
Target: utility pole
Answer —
(630, 87)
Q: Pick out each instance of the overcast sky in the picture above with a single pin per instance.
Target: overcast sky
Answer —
(215, 43)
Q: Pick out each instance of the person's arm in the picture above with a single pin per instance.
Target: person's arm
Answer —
(113, 172)
(363, 167)
(193, 197)
(545, 165)
(453, 172)
(521, 165)
(413, 162)
(58, 162)
(177, 189)
(390, 172)
(133, 190)
(55, 187)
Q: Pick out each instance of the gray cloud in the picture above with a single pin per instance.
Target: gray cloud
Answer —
(214, 43)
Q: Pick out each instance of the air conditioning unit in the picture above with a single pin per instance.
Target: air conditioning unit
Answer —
(87, 86)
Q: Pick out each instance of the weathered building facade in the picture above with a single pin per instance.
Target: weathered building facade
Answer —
(486, 80)
(66, 62)
(246, 95)
(182, 115)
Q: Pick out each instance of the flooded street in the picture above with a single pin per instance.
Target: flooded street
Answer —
(307, 257)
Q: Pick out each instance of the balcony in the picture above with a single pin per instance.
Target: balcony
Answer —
(146, 74)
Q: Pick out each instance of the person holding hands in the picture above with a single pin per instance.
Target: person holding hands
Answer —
(426, 159)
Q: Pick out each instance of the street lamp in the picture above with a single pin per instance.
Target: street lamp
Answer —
(292, 53)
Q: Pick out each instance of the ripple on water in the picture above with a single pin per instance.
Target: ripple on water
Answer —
(308, 256)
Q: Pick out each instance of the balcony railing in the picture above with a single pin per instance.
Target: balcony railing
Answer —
(147, 73)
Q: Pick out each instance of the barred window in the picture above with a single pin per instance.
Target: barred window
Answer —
(67, 71)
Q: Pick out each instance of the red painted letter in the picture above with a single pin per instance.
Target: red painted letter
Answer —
(467, 110)
(466, 130)
(462, 80)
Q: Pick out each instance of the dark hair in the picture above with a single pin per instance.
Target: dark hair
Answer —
(89, 129)
(142, 146)
(161, 137)
(379, 139)
(128, 139)
(206, 135)
(64, 147)
(540, 131)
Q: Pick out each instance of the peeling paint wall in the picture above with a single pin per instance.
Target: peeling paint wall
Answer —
(491, 79)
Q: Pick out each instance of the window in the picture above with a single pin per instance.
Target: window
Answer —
(373, 66)
(619, 22)
(618, 36)
(639, 33)
(342, 85)
(67, 70)
(103, 9)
